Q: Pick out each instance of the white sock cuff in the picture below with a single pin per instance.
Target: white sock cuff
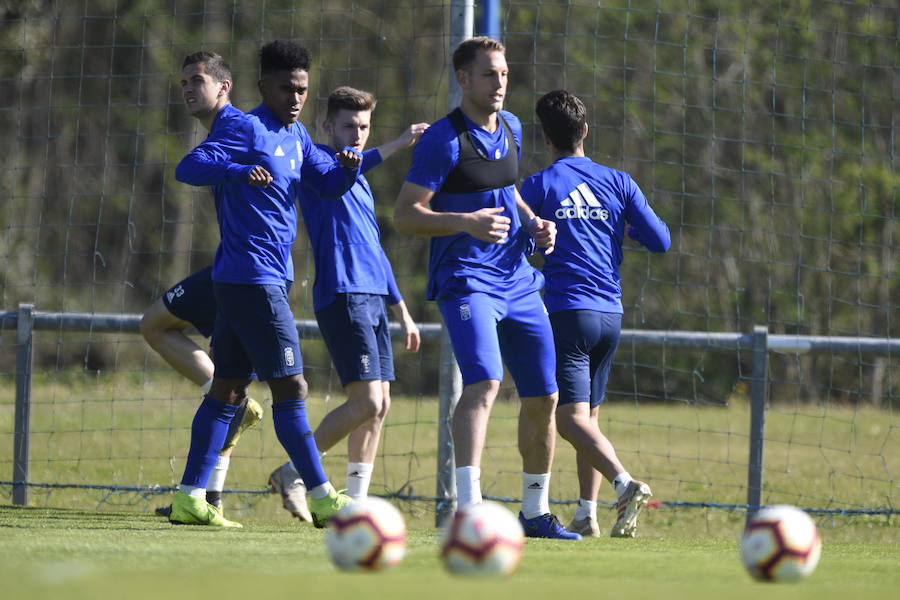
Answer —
(587, 509)
(468, 486)
(620, 482)
(321, 490)
(360, 468)
(535, 494)
(194, 492)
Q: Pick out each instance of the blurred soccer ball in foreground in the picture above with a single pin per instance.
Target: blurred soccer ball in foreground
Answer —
(483, 539)
(780, 543)
(369, 534)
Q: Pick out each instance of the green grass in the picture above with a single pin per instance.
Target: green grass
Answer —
(133, 429)
(55, 553)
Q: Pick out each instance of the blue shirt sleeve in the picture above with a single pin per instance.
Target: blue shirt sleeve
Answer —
(532, 194)
(370, 159)
(323, 172)
(434, 156)
(394, 296)
(646, 227)
(218, 159)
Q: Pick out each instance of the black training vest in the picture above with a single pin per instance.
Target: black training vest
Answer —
(475, 172)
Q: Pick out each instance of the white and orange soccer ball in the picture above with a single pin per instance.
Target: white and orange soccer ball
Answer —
(483, 539)
(780, 543)
(367, 535)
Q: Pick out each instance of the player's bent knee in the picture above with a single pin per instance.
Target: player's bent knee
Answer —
(288, 388)
(539, 404)
(385, 407)
(157, 319)
(366, 407)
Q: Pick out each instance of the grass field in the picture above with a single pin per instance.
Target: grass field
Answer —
(133, 430)
(84, 543)
(56, 553)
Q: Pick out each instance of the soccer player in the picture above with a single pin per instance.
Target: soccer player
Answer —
(191, 302)
(354, 282)
(255, 164)
(591, 205)
(461, 192)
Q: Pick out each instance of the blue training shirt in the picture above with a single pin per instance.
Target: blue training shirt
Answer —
(346, 241)
(590, 204)
(459, 263)
(258, 225)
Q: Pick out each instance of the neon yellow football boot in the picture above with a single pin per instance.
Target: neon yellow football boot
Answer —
(323, 509)
(187, 510)
(249, 414)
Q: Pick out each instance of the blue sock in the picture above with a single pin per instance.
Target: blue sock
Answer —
(296, 436)
(208, 433)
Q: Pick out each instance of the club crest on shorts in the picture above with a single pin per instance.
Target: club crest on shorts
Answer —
(289, 356)
(365, 364)
(465, 313)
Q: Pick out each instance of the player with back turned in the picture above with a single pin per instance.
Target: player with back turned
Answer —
(461, 192)
(591, 205)
(256, 164)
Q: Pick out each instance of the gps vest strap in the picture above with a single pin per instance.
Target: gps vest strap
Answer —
(475, 172)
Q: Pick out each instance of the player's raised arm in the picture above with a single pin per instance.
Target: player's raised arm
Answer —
(407, 139)
(221, 158)
(330, 176)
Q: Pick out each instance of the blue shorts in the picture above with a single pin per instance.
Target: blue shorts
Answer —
(192, 300)
(488, 330)
(255, 331)
(586, 342)
(355, 329)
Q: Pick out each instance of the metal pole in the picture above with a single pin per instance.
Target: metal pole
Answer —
(462, 15)
(489, 23)
(759, 395)
(24, 332)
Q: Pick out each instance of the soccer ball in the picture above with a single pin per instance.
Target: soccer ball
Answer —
(780, 543)
(369, 534)
(483, 539)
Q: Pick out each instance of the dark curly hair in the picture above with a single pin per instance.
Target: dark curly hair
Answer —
(284, 55)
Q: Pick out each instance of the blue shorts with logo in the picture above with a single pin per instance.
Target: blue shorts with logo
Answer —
(192, 300)
(586, 341)
(255, 331)
(355, 329)
(488, 330)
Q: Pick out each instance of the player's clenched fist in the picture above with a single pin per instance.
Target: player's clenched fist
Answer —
(544, 233)
(349, 158)
(488, 225)
(259, 176)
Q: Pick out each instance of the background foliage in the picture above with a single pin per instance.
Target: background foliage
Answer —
(764, 133)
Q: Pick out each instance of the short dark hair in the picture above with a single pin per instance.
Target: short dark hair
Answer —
(465, 53)
(562, 117)
(284, 55)
(216, 66)
(349, 98)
